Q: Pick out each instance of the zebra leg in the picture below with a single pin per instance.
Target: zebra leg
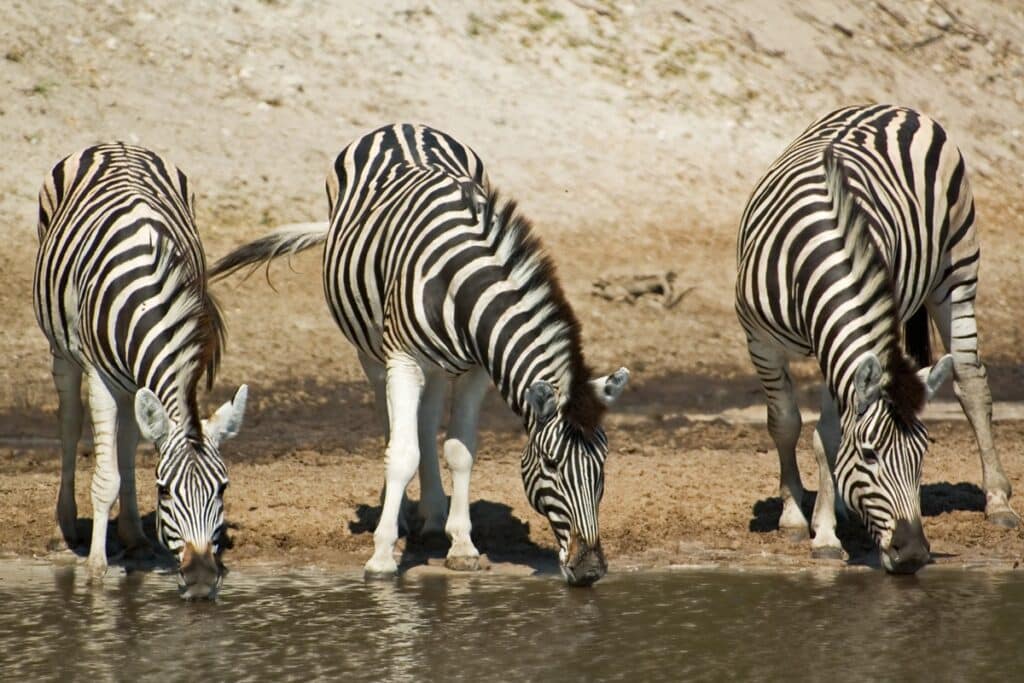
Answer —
(825, 544)
(129, 524)
(405, 380)
(459, 451)
(784, 426)
(67, 377)
(433, 503)
(377, 375)
(954, 318)
(105, 477)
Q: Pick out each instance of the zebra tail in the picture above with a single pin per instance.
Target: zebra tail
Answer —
(917, 338)
(286, 240)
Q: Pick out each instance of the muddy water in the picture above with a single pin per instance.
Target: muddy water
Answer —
(674, 625)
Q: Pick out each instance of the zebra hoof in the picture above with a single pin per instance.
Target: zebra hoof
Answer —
(1006, 519)
(795, 534)
(827, 552)
(464, 563)
(375, 575)
(380, 570)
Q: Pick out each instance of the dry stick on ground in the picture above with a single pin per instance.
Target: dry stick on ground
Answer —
(631, 288)
(897, 17)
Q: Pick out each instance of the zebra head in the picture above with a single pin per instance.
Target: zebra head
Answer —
(880, 460)
(191, 478)
(563, 473)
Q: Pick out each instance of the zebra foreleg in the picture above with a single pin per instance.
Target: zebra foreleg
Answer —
(67, 377)
(405, 381)
(433, 503)
(105, 478)
(959, 331)
(129, 524)
(459, 451)
(825, 544)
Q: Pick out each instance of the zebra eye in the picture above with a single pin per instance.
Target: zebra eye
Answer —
(163, 492)
(221, 489)
(869, 455)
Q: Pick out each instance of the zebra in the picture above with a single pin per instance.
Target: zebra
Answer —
(120, 292)
(864, 226)
(435, 280)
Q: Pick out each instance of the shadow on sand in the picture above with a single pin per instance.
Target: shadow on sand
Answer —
(153, 558)
(936, 499)
(497, 533)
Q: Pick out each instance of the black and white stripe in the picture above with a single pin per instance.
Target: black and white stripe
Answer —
(862, 229)
(120, 292)
(429, 274)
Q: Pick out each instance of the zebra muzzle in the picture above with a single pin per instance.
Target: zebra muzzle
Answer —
(909, 549)
(199, 572)
(586, 564)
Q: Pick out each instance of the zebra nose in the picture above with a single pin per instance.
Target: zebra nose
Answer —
(909, 550)
(200, 572)
(586, 564)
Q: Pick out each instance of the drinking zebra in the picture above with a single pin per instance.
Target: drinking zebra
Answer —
(433, 279)
(120, 292)
(863, 225)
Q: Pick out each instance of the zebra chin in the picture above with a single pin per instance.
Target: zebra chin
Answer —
(585, 565)
(199, 574)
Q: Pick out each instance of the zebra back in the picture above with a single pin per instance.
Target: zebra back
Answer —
(363, 166)
(121, 275)
(910, 186)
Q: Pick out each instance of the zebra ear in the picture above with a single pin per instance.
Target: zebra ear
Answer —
(935, 376)
(541, 398)
(609, 387)
(154, 425)
(867, 382)
(227, 421)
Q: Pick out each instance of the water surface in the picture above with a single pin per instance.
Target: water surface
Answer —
(694, 624)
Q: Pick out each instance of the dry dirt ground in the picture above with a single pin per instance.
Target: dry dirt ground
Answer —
(630, 134)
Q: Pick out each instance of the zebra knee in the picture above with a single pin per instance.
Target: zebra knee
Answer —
(402, 462)
(457, 456)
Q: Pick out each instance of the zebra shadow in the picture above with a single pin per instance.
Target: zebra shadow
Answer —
(497, 533)
(156, 558)
(936, 499)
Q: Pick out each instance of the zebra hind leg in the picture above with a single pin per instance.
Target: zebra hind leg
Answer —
(433, 505)
(784, 426)
(376, 375)
(825, 544)
(67, 377)
(954, 318)
(459, 452)
(405, 381)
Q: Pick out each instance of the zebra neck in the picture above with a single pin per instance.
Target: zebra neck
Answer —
(176, 390)
(532, 353)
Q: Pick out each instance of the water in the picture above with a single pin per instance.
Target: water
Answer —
(693, 625)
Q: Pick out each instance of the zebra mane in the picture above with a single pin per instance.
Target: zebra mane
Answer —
(526, 257)
(902, 386)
